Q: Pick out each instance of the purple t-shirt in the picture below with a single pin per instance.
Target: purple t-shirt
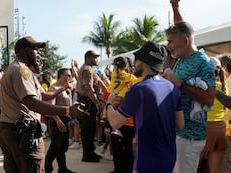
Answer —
(153, 103)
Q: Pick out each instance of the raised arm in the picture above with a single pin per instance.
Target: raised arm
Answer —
(176, 12)
(51, 95)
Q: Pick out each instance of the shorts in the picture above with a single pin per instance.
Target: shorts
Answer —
(73, 122)
(216, 139)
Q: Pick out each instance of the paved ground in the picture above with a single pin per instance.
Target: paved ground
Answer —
(74, 163)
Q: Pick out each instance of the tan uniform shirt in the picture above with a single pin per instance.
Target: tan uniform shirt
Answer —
(91, 79)
(64, 98)
(18, 82)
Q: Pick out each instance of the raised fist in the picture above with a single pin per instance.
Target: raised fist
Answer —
(175, 3)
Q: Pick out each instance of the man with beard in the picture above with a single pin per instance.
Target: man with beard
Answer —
(87, 78)
(21, 106)
(192, 63)
(155, 104)
(59, 125)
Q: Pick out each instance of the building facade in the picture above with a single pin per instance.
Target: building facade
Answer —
(6, 29)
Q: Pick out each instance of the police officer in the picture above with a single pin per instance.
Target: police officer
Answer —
(20, 99)
(86, 94)
(59, 125)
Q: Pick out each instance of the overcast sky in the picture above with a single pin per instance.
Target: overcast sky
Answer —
(66, 22)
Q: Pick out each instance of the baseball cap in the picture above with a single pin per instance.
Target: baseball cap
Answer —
(152, 54)
(27, 42)
(91, 53)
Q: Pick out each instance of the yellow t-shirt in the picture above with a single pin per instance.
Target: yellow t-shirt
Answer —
(52, 81)
(121, 82)
(45, 87)
(218, 111)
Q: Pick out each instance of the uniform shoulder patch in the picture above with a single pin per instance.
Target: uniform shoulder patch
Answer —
(25, 72)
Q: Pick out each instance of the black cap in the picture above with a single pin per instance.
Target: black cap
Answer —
(28, 42)
(90, 53)
(152, 54)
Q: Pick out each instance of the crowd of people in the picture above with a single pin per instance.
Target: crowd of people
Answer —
(167, 111)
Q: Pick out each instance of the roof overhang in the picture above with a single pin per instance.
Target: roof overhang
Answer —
(215, 40)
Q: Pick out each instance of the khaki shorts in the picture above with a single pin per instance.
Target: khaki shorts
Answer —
(216, 139)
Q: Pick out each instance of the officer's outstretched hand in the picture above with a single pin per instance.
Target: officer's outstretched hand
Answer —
(77, 110)
(175, 3)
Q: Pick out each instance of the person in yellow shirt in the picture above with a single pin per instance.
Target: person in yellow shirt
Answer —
(43, 80)
(121, 139)
(226, 65)
(225, 60)
(120, 79)
(50, 78)
(216, 141)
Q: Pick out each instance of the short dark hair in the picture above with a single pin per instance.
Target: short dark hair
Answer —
(90, 53)
(180, 28)
(62, 71)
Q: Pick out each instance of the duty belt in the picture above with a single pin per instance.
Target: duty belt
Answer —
(7, 125)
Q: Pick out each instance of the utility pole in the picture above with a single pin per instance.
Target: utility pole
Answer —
(169, 23)
(17, 19)
(23, 26)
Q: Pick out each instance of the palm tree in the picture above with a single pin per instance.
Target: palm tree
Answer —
(104, 33)
(144, 30)
(124, 42)
(54, 60)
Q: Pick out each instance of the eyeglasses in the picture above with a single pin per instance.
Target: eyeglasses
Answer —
(67, 75)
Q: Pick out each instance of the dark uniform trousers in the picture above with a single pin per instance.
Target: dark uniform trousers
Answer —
(15, 161)
(88, 127)
(122, 149)
(58, 147)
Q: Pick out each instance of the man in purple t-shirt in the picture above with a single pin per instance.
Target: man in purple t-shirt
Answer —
(155, 104)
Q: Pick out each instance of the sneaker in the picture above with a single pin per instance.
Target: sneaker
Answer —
(117, 133)
(100, 150)
(70, 141)
(107, 155)
(74, 145)
(97, 156)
